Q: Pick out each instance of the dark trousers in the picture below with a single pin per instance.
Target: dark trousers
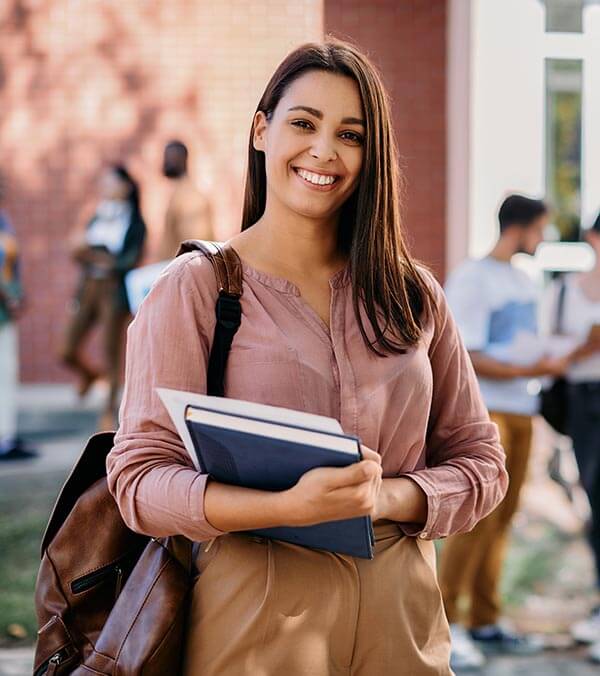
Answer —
(584, 429)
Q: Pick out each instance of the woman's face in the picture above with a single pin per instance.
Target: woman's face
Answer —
(313, 144)
(112, 186)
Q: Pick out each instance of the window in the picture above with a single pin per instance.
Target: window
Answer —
(563, 143)
(564, 16)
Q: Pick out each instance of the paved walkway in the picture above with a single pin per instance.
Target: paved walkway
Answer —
(18, 662)
(58, 425)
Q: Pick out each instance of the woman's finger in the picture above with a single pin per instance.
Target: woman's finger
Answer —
(370, 454)
(357, 473)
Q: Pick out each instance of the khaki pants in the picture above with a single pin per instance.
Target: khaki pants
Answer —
(471, 563)
(267, 608)
(97, 303)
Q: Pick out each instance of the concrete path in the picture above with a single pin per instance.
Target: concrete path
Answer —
(19, 661)
(16, 662)
(572, 663)
(55, 424)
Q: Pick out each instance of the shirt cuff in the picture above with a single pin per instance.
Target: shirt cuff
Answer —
(206, 531)
(425, 531)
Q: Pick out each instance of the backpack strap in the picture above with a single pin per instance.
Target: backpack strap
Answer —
(91, 465)
(227, 267)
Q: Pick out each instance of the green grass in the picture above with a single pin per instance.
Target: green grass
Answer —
(531, 563)
(25, 504)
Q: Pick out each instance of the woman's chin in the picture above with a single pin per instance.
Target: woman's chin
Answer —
(313, 212)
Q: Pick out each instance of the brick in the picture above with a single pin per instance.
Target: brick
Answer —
(407, 40)
(112, 80)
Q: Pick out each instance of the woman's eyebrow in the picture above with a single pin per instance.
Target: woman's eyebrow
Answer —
(319, 115)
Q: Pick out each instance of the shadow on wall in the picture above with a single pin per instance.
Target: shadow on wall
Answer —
(115, 81)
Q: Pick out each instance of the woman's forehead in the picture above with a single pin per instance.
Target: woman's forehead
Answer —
(331, 94)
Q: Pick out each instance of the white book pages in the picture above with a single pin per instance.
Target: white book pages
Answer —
(176, 401)
(272, 430)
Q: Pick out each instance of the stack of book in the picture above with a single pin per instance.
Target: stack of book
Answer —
(270, 448)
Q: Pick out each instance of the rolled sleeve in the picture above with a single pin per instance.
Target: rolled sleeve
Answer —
(465, 476)
(149, 472)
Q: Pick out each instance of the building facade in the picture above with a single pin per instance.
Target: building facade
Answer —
(488, 96)
(85, 82)
(524, 114)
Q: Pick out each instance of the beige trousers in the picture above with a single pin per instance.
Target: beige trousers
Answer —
(267, 608)
(471, 563)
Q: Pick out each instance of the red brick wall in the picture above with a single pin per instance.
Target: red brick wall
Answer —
(407, 40)
(86, 82)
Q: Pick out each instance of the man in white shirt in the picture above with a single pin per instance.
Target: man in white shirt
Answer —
(495, 307)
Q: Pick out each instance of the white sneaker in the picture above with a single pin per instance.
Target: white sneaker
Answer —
(464, 653)
(588, 630)
(594, 653)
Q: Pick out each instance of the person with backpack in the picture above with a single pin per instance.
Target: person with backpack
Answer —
(110, 245)
(337, 319)
(575, 301)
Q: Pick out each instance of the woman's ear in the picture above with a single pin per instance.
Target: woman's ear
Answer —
(260, 130)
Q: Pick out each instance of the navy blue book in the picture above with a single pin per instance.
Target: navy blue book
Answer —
(272, 455)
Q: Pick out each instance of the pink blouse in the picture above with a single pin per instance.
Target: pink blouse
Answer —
(421, 410)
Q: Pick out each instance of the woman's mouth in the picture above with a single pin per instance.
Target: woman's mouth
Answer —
(316, 180)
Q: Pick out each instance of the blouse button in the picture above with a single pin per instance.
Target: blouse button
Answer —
(424, 535)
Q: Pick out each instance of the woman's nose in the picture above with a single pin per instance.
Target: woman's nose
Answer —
(322, 149)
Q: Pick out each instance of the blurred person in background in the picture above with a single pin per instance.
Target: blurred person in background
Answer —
(11, 447)
(495, 306)
(189, 213)
(109, 247)
(580, 318)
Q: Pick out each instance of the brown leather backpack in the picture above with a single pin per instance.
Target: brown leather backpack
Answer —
(109, 601)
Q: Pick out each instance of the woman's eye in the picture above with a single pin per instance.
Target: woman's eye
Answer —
(352, 136)
(301, 124)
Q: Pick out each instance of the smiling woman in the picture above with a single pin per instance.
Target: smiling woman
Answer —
(338, 320)
(314, 114)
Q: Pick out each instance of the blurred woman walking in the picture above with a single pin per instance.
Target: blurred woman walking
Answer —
(109, 247)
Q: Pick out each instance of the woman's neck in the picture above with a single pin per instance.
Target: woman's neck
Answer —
(291, 245)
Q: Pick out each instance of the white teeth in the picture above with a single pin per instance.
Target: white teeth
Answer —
(316, 179)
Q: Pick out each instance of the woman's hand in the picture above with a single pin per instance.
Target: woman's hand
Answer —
(334, 493)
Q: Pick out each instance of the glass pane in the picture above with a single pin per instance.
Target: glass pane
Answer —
(564, 16)
(563, 143)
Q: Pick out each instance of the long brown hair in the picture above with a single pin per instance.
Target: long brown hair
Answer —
(384, 277)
